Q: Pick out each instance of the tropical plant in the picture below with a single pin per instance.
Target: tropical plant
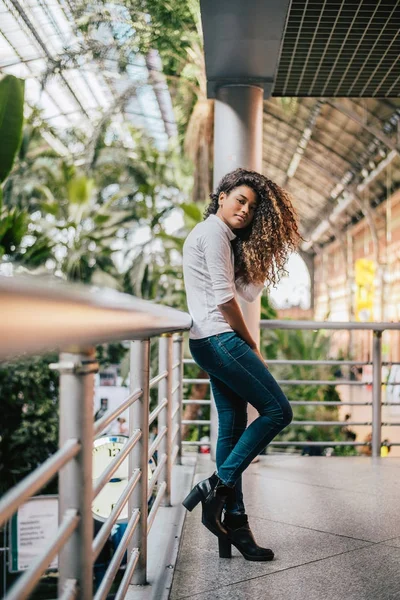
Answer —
(13, 222)
(294, 345)
(11, 120)
(29, 429)
(174, 30)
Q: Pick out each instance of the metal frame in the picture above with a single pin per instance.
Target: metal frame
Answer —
(74, 540)
(376, 404)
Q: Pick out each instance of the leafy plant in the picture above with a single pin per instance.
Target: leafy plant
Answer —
(29, 427)
(305, 345)
(11, 120)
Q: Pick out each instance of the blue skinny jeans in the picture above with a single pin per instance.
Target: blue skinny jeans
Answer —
(237, 377)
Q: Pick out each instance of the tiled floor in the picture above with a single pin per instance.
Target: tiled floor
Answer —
(333, 523)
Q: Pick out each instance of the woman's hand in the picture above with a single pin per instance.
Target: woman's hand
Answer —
(256, 350)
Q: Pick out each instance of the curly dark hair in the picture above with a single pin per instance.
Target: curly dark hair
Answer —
(261, 249)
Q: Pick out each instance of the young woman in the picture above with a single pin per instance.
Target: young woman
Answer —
(248, 232)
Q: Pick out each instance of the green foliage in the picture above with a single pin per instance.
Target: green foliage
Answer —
(110, 354)
(305, 345)
(13, 227)
(11, 120)
(29, 427)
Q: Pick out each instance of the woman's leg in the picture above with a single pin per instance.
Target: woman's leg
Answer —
(232, 421)
(242, 371)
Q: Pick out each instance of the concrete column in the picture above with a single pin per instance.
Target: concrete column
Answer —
(238, 143)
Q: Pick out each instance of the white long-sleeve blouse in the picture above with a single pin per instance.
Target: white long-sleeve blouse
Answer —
(209, 274)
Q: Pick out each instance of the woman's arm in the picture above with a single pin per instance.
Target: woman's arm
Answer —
(233, 315)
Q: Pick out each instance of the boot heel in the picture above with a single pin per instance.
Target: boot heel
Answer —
(192, 499)
(225, 548)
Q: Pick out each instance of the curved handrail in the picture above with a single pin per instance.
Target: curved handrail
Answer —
(41, 314)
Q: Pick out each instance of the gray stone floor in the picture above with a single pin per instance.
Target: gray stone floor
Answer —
(333, 523)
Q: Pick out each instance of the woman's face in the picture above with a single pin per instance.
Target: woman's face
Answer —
(237, 208)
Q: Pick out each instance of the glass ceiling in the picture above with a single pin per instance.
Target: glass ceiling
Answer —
(74, 80)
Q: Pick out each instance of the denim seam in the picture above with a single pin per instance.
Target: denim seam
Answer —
(258, 381)
(237, 468)
(220, 344)
(263, 386)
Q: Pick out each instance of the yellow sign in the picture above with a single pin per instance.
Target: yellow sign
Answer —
(365, 289)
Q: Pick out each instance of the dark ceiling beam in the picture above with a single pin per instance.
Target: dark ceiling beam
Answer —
(242, 42)
(370, 128)
(313, 141)
(326, 133)
(304, 139)
(311, 184)
(351, 195)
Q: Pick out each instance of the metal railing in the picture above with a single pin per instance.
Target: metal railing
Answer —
(71, 315)
(376, 383)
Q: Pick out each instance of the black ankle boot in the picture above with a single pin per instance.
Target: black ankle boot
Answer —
(212, 494)
(240, 536)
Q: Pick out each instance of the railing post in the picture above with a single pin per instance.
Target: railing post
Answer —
(376, 393)
(178, 356)
(138, 459)
(169, 349)
(75, 479)
(162, 417)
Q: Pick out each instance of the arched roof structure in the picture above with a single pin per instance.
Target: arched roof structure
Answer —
(73, 79)
(330, 70)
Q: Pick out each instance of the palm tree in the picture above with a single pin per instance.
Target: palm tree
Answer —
(173, 29)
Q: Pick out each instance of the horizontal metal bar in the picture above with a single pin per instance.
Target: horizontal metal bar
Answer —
(200, 402)
(321, 382)
(316, 403)
(157, 440)
(176, 388)
(116, 462)
(305, 363)
(157, 379)
(332, 423)
(274, 361)
(316, 325)
(70, 590)
(154, 414)
(311, 363)
(152, 482)
(115, 562)
(107, 526)
(175, 410)
(156, 504)
(387, 424)
(329, 444)
(36, 480)
(196, 422)
(185, 380)
(106, 419)
(196, 443)
(66, 315)
(26, 583)
(174, 453)
(126, 580)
